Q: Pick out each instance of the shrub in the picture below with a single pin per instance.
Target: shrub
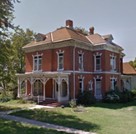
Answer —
(125, 96)
(73, 103)
(86, 98)
(133, 93)
(118, 96)
(111, 97)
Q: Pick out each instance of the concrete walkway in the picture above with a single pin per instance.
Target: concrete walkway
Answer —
(4, 115)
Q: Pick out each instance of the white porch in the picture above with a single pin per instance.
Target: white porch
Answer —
(53, 84)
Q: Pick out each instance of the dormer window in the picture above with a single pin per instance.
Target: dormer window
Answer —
(60, 60)
(37, 62)
(40, 37)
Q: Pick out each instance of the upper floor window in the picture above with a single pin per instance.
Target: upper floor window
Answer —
(113, 62)
(97, 61)
(37, 62)
(80, 61)
(60, 60)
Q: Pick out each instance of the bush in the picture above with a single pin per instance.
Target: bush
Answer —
(133, 93)
(86, 98)
(111, 97)
(4, 98)
(73, 103)
(118, 96)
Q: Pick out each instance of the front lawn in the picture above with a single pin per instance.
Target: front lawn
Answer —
(101, 118)
(12, 127)
(15, 104)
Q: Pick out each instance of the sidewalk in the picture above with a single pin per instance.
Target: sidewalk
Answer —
(42, 124)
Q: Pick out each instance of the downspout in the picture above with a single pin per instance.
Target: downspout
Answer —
(74, 92)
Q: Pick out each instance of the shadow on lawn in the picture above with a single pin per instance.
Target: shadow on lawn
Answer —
(115, 105)
(7, 127)
(58, 118)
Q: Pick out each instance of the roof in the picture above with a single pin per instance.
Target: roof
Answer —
(128, 69)
(96, 39)
(60, 34)
(69, 33)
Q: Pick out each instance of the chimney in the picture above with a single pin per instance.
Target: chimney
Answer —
(69, 23)
(91, 30)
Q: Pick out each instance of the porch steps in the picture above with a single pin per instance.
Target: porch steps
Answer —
(52, 103)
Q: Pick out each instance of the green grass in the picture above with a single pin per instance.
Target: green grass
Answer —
(14, 104)
(101, 118)
(12, 127)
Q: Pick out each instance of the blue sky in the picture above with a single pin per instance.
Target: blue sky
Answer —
(116, 17)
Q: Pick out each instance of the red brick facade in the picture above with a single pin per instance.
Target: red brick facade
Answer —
(73, 47)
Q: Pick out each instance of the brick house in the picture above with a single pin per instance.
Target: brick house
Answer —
(62, 62)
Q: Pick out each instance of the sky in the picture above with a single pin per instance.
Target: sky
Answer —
(116, 17)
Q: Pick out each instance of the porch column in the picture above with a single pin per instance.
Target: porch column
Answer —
(53, 89)
(26, 88)
(44, 80)
(43, 90)
(19, 88)
(31, 82)
(68, 87)
(59, 89)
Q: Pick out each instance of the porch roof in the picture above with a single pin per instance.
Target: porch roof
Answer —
(43, 74)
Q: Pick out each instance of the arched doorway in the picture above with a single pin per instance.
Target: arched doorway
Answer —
(49, 89)
(38, 88)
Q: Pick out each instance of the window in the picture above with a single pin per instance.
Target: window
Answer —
(60, 61)
(64, 89)
(98, 63)
(37, 63)
(81, 84)
(98, 93)
(113, 63)
(113, 83)
(80, 61)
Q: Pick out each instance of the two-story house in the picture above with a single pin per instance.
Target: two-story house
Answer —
(62, 62)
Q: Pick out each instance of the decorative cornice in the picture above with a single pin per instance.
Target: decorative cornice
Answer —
(74, 43)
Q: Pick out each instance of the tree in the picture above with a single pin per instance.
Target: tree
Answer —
(6, 15)
(81, 30)
(19, 39)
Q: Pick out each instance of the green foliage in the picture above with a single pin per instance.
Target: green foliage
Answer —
(81, 30)
(115, 96)
(133, 93)
(73, 103)
(6, 15)
(86, 98)
(19, 39)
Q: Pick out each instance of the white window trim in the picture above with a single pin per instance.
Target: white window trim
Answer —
(82, 82)
(60, 52)
(90, 85)
(36, 55)
(113, 58)
(97, 54)
(82, 61)
(95, 78)
(112, 80)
